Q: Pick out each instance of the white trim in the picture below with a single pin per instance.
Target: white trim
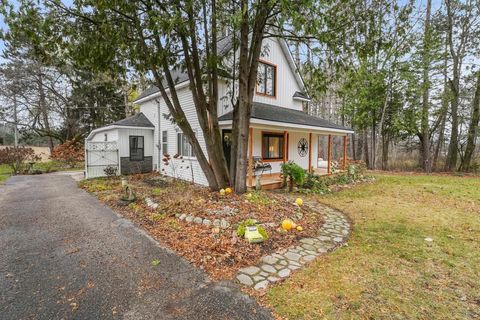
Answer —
(113, 126)
(280, 125)
(158, 93)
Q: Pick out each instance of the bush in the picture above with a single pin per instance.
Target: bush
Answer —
(110, 171)
(70, 152)
(19, 158)
(294, 173)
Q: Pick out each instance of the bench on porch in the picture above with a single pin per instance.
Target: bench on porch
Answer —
(259, 167)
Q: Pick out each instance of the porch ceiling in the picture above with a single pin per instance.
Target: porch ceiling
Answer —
(264, 115)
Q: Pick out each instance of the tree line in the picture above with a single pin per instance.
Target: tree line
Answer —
(395, 71)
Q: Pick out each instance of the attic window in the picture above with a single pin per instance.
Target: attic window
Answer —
(266, 79)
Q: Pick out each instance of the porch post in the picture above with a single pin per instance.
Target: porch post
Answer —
(250, 156)
(310, 152)
(344, 152)
(329, 154)
(285, 146)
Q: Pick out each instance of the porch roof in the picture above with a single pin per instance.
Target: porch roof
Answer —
(279, 115)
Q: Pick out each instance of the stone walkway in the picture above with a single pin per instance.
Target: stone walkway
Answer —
(275, 267)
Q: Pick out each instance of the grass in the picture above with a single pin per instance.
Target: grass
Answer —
(388, 270)
(48, 166)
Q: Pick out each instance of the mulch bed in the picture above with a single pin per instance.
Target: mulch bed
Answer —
(218, 251)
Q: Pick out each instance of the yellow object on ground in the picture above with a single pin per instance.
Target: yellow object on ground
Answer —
(222, 192)
(288, 224)
(228, 190)
(299, 202)
(299, 228)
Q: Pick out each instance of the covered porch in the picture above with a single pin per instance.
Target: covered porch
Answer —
(278, 135)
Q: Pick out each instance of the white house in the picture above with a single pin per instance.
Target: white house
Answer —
(280, 130)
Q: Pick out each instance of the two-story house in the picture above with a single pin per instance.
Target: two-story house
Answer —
(280, 130)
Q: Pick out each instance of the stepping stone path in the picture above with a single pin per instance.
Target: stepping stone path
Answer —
(279, 265)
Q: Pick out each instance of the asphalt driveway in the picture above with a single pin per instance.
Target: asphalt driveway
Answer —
(64, 255)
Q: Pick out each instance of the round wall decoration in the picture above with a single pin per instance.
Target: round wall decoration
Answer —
(302, 147)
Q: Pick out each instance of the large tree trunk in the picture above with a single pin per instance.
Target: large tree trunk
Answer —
(425, 127)
(473, 128)
(248, 66)
(444, 110)
(452, 156)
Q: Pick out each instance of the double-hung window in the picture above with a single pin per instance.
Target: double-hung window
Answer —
(136, 148)
(165, 142)
(266, 79)
(272, 146)
(183, 146)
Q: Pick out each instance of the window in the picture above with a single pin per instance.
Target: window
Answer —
(272, 146)
(183, 146)
(165, 142)
(266, 79)
(136, 148)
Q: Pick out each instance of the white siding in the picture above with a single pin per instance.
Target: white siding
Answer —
(124, 143)
(286, 82)
(293, 139)
(286, 85)
(150, 110)
(183, 168)
(112, 135)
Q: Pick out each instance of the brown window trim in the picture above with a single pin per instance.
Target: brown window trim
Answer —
(274, 81)
(280, 135)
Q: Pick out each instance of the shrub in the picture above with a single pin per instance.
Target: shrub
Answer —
(294, 173)
(18, 158)
(110, 171)
(70, 152)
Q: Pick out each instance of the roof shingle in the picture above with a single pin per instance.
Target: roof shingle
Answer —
(137, 120)
(279, 114)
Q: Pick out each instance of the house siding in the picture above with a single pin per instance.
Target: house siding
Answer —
(286, 87)
(112, 135)
(181, 169)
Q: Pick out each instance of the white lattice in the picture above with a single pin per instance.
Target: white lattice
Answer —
(102, 146)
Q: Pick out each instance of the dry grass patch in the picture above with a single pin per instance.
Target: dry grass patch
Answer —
(388, 270)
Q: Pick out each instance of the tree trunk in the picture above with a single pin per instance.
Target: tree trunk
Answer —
(425, 127)
(365, 148)
(473, 129)
(385, 145)
(44, 111)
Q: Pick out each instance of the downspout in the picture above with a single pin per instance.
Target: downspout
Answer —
(159, 142)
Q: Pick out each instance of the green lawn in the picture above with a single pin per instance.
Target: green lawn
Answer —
(388, 270)
(49, 166)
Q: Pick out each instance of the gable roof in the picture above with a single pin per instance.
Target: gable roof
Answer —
(223, 46)
(137, 120)
(273, 113)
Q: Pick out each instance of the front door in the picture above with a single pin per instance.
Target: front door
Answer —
(227, 145)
